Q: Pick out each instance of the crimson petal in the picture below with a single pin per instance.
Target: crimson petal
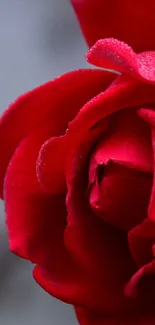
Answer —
(149, 116)
(142, 285)
(51, 160)
(131, 22)
(121, 197)
(51, 165)
(97, 248)
(120, 171)
(127, 143)
(141, 240)
(123, 92)
(69, 284)
(36, 223)
(25, 202)
(113, 54)
(90, 317)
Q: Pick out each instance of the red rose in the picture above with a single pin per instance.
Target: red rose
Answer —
(130, 21)
(78, 167)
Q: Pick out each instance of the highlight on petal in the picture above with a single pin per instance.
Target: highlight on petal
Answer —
(51, 165)
(115, 55)
(112, 54)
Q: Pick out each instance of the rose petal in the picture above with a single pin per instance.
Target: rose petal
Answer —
(142, 285)
(116, 55)
(121, 197)
(142, 237)
(51, 160)
(113, 54)
(90, 317)
(141, 241)
(131, 22)
(118, 194)
(69, 284)
(123, 93)
(102, 253)
(25, 202)
(36, 223)
(128, 142)
(149, 116)
(100, 250)
(87, 250)
(45, 102)
(51, 165)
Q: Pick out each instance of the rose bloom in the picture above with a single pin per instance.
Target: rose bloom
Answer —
(77, 179)
(129, 21)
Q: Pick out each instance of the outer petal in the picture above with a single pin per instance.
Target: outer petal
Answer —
(25, 204)
(131, 22)
(45, 102)
(88, 317)
(115, 55)
(36, 223)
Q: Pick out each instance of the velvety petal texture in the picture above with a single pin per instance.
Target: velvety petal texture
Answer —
(116, 55)
(129, 21)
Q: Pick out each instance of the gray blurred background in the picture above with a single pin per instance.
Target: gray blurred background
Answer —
(39, 40)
